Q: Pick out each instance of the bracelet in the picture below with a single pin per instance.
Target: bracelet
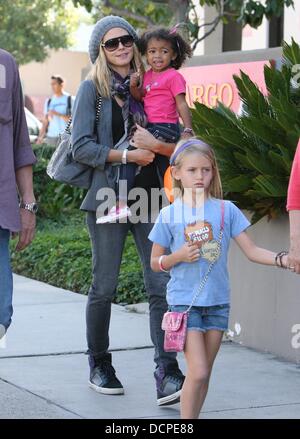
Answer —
(161, 265)
(124, 157)
(277, 257)
(280, 256)
(188, 130)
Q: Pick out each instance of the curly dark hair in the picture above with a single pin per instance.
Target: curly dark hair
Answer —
(182, 49)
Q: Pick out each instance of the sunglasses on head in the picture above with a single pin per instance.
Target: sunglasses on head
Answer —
(113, 43)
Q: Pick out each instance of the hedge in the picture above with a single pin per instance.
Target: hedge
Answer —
(60, 253)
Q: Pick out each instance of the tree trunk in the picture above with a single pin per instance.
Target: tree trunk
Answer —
(232, 35)
(179, 9)
(276, 31)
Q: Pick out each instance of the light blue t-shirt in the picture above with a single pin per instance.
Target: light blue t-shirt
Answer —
(168, 231)
(60, 104)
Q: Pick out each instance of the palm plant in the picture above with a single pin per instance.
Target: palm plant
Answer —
(255, 150)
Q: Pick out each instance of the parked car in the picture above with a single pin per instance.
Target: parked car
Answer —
(34, 125)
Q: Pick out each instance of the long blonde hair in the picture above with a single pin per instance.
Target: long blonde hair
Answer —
(215, 187)
(101, 73)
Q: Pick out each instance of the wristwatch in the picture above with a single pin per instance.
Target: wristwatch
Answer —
(32, 207)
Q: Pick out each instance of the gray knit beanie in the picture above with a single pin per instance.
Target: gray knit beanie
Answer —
(103, 26)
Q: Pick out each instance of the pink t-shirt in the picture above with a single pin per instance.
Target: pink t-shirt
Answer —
(160, 91)
(293, 199)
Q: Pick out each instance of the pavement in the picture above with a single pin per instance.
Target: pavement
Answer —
(44, 369)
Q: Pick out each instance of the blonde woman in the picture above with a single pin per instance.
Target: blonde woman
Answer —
(114, 56)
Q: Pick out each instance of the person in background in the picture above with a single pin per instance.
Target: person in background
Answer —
(293, 207)
(17, 201)
(57, 112)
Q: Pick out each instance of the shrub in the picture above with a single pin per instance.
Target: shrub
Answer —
(255, 150)
(55, 199)
(61, 255)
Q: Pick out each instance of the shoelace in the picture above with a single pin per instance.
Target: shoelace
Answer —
(107, 368)
(176, 378)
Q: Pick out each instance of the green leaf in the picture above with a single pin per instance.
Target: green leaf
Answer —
(255, 150)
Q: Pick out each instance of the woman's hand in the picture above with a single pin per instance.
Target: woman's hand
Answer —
(293, 259)
(141, 157)
(189, 252)
(143, 139)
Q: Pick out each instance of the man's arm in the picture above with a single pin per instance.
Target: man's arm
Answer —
(25, 188)
(65, 117)
(43, 130)
(24, 158)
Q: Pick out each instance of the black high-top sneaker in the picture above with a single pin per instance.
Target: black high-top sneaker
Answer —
(168, 385)
(103, 376)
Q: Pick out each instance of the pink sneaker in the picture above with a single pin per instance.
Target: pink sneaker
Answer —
(115, 214)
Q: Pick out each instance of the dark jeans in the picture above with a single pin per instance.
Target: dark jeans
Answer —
(167, 132)
(107, 247)
(6, 280)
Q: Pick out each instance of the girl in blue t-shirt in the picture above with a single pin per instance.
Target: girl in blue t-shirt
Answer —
(197, 229)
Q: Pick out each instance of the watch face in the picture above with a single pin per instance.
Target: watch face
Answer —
(34, 208)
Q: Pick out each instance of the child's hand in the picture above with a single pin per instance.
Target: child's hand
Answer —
(285, 261)
(186, 135)
(189, 252)
(135, 79)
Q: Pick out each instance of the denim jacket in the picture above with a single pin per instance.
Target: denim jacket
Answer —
(89, 147)
(92, 148)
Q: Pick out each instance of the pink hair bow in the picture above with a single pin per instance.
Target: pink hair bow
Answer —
(173, 30)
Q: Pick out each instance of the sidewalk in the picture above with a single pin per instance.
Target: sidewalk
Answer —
(44, 371)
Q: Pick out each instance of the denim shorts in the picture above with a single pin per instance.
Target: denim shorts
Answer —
(169, 132)
(205, 318)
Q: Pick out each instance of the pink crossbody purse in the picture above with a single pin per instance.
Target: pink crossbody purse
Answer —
(175, 323)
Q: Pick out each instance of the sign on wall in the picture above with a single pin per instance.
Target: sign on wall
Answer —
(213, 83)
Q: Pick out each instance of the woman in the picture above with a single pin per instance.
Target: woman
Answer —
(293, 206)
(114, 55)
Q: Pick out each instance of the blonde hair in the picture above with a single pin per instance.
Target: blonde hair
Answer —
(215, 187)
(101, 73)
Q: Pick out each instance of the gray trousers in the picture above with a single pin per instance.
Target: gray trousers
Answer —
(107, 247)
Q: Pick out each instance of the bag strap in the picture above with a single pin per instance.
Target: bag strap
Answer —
(98, 111)
(69, 105)
(204, 280)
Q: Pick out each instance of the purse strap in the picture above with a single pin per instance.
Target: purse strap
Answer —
(204, 280)
(98, 110)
